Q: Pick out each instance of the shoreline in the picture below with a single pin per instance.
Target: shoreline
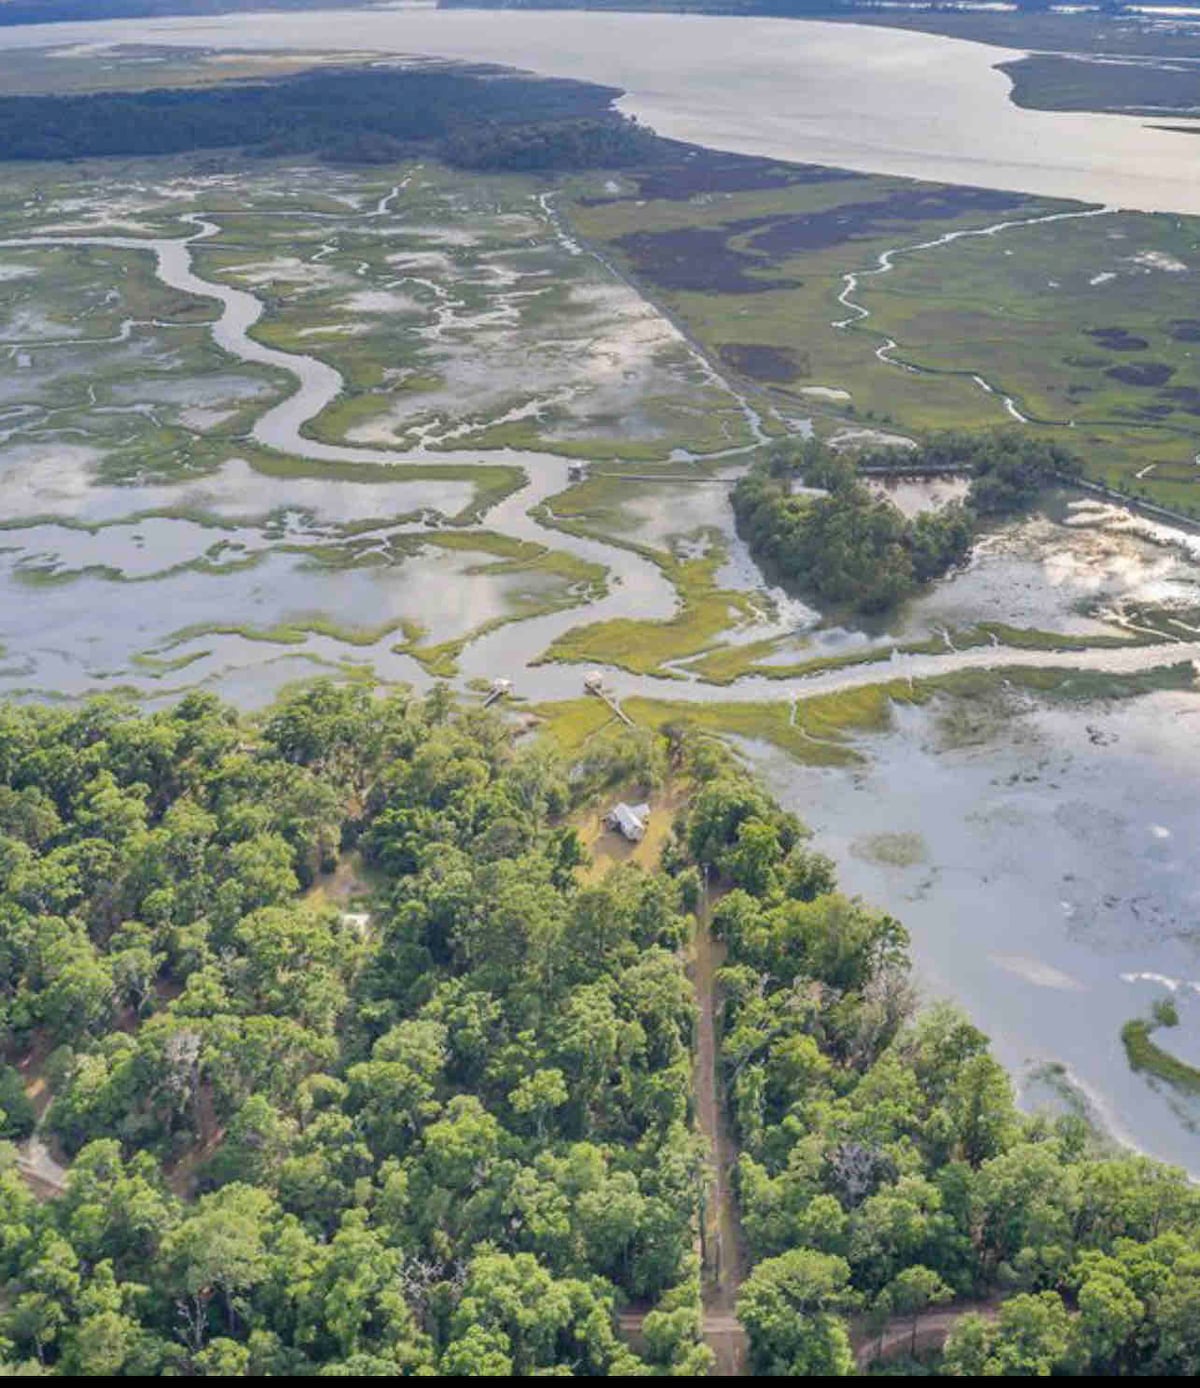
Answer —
(814, 94)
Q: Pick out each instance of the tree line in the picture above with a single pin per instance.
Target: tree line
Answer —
(60, 11)
(852, 549)
(474, 118)
(455, 1139)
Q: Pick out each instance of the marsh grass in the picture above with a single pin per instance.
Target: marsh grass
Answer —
(892, 850)
(727, 664)
(1020, 309)
(650, 647)
(1145, 1055)
(821, 730)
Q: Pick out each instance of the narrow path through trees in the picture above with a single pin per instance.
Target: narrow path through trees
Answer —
(904, 1335)
(724, 1251)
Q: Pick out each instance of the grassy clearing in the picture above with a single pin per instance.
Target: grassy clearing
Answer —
(350, 883)
(608, 849)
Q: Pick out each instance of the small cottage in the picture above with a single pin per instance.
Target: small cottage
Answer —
(629, 821)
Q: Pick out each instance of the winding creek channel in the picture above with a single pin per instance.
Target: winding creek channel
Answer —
(636, 589)
(886, 263)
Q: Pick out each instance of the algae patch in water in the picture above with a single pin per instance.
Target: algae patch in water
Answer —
(894, 850)
(1148, 1056)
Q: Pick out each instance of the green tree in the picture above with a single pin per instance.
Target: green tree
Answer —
(538, 1096)
(216, 1253)
(913, 1291)
(788, 1307)
(1109, 1317)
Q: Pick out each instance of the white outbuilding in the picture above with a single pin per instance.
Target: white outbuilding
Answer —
(629, 820)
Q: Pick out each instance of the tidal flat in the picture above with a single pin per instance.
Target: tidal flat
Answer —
(347, 443)
(461, 315)
(446, 304)
(157, 601)
(455, 344)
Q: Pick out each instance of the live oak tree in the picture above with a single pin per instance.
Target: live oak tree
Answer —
(302, 1143)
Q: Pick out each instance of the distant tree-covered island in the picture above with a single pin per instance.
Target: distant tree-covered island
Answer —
(65, 11)
(473, 117)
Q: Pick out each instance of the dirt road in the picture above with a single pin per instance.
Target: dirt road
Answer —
(933, 1326)
(724, 1249)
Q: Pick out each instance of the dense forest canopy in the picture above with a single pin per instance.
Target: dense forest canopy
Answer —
(452, 1131)
(477, 118)
(851, 548)
(459, 1139)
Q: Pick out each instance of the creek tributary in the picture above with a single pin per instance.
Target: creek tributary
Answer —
(637, 588)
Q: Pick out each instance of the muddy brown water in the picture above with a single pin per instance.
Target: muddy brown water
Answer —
(856, 97)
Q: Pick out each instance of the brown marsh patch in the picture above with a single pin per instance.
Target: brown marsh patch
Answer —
(1141, 373)
(762, 362)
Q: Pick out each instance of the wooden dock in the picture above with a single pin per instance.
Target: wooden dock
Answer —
(593, 684)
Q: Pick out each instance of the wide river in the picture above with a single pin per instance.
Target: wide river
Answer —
(866, 98)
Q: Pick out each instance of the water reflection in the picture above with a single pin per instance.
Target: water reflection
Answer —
(1053, 890)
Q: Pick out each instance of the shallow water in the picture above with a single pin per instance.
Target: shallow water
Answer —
(637, 587)
(85, 629)
(1054, 860)
(61, 480)
(916, 496)
(878, 100)
(1053, 577)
